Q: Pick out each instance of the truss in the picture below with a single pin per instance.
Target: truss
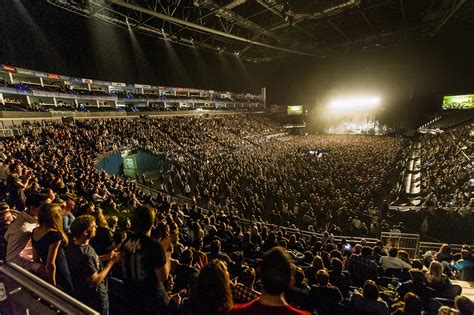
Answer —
(261, 30)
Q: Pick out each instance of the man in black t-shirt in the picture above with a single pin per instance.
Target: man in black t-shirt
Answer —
(146, 266)
(87, 270)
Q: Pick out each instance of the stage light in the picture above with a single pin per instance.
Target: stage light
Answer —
(352, 103)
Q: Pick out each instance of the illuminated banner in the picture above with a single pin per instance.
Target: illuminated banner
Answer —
(77, 80)
(458, 102)
(87, 81)
(101, 83)
(142, 86)
(25, 71)
(41, 74)
(8, 68)
(119, 84)
(295, 110)
(54, 76)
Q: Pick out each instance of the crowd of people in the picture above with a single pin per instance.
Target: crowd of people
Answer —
(287, 183)
(83, 90)
(447, 170)
(100, 238)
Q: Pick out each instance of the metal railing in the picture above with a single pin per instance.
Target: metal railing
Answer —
(403, 241)
(25, 293)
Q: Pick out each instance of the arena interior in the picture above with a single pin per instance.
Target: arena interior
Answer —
(236, 157)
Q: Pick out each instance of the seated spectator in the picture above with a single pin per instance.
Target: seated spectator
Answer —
(311, 271)
(369, 301)
(183, 271)
(445, 257)
(438, 281)
(216, 253)
(412, 305)
(323, 295)
(297, 294)
(276, 277)
(392, 261)
(339, 278)
(243, 290)
(49, 241)
(362, 268)
(464, 305)
(103, 242)
(87, 271)
(417, 285)
(213, 292)
(67, 215)
(465, 266)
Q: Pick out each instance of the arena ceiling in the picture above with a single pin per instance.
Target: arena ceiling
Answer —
(264, 30)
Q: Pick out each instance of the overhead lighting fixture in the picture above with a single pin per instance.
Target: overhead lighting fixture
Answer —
(356, 102)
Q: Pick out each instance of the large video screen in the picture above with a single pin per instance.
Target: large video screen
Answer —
(295, 110)
(458, 102)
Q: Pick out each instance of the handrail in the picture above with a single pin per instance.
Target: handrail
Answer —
(37, 286)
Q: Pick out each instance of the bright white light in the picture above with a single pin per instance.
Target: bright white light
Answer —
(351, 103)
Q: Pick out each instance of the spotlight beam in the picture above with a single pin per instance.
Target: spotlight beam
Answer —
(203, 28)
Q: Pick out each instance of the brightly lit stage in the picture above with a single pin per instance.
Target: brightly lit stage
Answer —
(354, 116)
(356, 123)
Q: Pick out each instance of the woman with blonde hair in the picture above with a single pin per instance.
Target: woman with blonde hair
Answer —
(436, 279)
(49, 241)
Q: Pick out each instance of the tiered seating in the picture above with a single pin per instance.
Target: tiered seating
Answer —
(343, 178)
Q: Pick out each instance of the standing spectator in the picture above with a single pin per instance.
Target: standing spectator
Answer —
(276, 276)
(49, 241)
(18, 236)
(17, 184)
(87, 270)
(146, 265)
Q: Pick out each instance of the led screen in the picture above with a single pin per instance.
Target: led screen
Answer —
(458, 102)
(295, 110)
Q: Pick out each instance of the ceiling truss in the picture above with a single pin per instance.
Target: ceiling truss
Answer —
(262, 30)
